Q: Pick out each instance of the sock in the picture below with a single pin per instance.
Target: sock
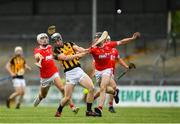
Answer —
(111, 104)
(40, 97)
(60, 108)
(95, 97)
(71, 106)
(100, 107)
(19, 100)
(89, 105)
(114, 93)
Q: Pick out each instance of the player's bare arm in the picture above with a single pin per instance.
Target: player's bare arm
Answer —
(8, 68)
(38, 56)
(79, 49)
(127, 40)
(123, 63)
(27, 67)
(70, 57)
(39, 59)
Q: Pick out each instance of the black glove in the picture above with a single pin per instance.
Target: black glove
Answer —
(132, 65)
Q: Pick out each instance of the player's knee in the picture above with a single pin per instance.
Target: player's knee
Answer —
(114, 87)
(67, 98)
(22, 93)
(103, 86)
(102, 89)
(18, 93)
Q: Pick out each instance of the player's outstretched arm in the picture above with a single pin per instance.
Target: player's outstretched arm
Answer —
(123, 63)
(78, 49)
(71, 57)
(127, 40)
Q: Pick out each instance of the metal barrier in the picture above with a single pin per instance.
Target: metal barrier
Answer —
(160, 58)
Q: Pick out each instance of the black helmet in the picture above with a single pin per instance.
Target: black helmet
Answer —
(56, 36)
(98, 35)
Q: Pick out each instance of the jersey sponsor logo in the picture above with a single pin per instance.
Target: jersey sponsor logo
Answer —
(102, 56)
(106, 55)
(113, 57)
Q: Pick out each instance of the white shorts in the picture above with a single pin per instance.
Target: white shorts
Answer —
(45, 82)
(18, 82)
(75, 75)
(98, 74)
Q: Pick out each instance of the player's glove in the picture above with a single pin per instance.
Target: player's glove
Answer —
(132, 65)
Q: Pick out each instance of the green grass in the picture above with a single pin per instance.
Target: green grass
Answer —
(124, 115)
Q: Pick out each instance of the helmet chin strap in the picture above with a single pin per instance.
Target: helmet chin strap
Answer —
(44, 45)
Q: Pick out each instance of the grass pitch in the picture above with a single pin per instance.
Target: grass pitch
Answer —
(123, 115)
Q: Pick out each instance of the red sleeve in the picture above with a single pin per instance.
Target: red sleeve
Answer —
(117, 54)
(91, 50)
(112, 44)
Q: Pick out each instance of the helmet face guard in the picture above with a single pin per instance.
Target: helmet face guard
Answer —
(43, 39)
(98, 35)
(56, 37)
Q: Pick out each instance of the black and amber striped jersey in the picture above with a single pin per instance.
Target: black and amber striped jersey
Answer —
(67, 49)
(17, 65)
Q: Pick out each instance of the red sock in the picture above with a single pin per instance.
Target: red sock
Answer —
(100, 107)
(71, 106)
(110, 103)
(95, 97)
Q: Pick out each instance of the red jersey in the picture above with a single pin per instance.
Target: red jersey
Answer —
(114, 56)
(102, 55)
(48, 65)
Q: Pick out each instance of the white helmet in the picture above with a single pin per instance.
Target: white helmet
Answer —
(18, 50)
(41, 35)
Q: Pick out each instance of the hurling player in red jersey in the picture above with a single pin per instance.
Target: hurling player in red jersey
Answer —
(48, 70)
(115, 58)
(102, 56)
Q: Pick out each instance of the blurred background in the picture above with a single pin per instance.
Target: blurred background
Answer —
(156, 54)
